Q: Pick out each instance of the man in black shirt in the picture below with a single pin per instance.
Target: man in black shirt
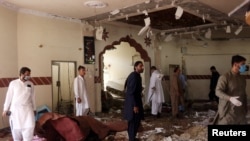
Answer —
(213, 82)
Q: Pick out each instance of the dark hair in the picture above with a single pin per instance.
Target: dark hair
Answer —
(176, 68)
(137, 63)
(237, 59)
(212, 68)
(81, 67)
(153, 68)
(23, 70)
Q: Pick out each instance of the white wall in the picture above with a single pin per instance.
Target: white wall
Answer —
(22, 34)
(60, 40)
(8, 53)
(8, 44)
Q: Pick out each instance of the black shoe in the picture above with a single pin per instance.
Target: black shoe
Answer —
(158, 115)
(180, 116)
(154, 116)
(137, 139)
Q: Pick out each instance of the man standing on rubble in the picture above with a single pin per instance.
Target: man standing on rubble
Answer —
(155, 92)
(213, 82)
(21, 107)
(231, 90)
(82, 103)
(133, 108)
(176, 92)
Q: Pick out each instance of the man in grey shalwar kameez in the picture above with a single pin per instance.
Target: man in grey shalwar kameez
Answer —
(231, 90)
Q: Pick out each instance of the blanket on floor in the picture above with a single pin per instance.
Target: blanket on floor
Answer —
(53, 126)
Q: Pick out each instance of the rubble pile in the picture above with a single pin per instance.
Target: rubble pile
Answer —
(191, 127)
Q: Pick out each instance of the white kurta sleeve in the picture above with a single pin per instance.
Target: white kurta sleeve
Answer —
(153, 81)
(85, 94)
(76, 89)
(151, 86)
(9, 96)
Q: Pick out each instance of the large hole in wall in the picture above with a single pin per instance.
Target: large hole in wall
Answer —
(116, 62)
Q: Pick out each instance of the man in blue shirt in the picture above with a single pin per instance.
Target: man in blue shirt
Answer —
(133, 108)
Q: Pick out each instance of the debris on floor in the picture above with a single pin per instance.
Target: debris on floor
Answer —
(191, 126)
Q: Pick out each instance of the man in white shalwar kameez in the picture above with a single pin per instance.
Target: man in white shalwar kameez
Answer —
(20, 101)
(82, 103)
(155, 92)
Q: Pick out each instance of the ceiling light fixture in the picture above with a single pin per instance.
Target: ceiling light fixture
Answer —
(95, 4)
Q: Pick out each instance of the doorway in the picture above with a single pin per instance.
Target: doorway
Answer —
(63, 74)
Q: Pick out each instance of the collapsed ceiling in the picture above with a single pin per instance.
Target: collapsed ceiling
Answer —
(197, 14)
(226, 18)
